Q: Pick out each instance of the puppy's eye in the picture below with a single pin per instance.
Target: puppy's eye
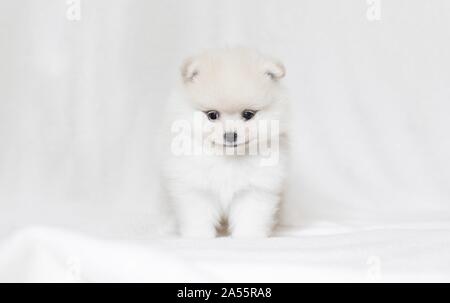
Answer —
(212, 115)
(248, 114)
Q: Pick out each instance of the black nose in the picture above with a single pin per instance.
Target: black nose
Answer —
(230, 137)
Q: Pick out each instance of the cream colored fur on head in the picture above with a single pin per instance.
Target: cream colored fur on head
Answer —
(232, 92)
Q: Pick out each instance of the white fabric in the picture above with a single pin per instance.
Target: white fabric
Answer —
(312, 254)
(81, 103)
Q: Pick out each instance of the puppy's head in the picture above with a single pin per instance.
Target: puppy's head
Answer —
(235, 90)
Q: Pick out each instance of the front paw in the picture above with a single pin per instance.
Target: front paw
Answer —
(198, 232)
(250, 232)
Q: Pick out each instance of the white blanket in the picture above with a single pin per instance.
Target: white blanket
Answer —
(419, 252)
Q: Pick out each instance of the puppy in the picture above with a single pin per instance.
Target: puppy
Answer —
(228, 149)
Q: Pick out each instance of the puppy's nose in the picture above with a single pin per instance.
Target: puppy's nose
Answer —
(230, 137)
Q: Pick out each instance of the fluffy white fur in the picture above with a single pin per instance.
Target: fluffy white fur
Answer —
(206, 189)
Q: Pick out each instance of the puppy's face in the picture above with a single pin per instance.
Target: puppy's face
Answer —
(237, 92)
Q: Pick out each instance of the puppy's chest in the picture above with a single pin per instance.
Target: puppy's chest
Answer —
(225, 178)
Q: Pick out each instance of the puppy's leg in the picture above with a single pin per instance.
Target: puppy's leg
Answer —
(197, 215)
(252, 214)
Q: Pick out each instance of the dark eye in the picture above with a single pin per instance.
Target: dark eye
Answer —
(248, 114)
(212, 115)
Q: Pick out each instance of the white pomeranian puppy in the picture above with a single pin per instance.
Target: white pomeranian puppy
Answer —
(226, 168)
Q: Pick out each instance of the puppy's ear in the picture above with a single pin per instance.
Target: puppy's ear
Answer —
(274, 70)
(189, 70)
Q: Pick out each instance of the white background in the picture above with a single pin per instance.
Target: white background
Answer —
(81, 101)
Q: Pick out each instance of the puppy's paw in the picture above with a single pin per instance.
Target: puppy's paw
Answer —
(199, 232)
(253, 215)
(249, 235)
(249, 231)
